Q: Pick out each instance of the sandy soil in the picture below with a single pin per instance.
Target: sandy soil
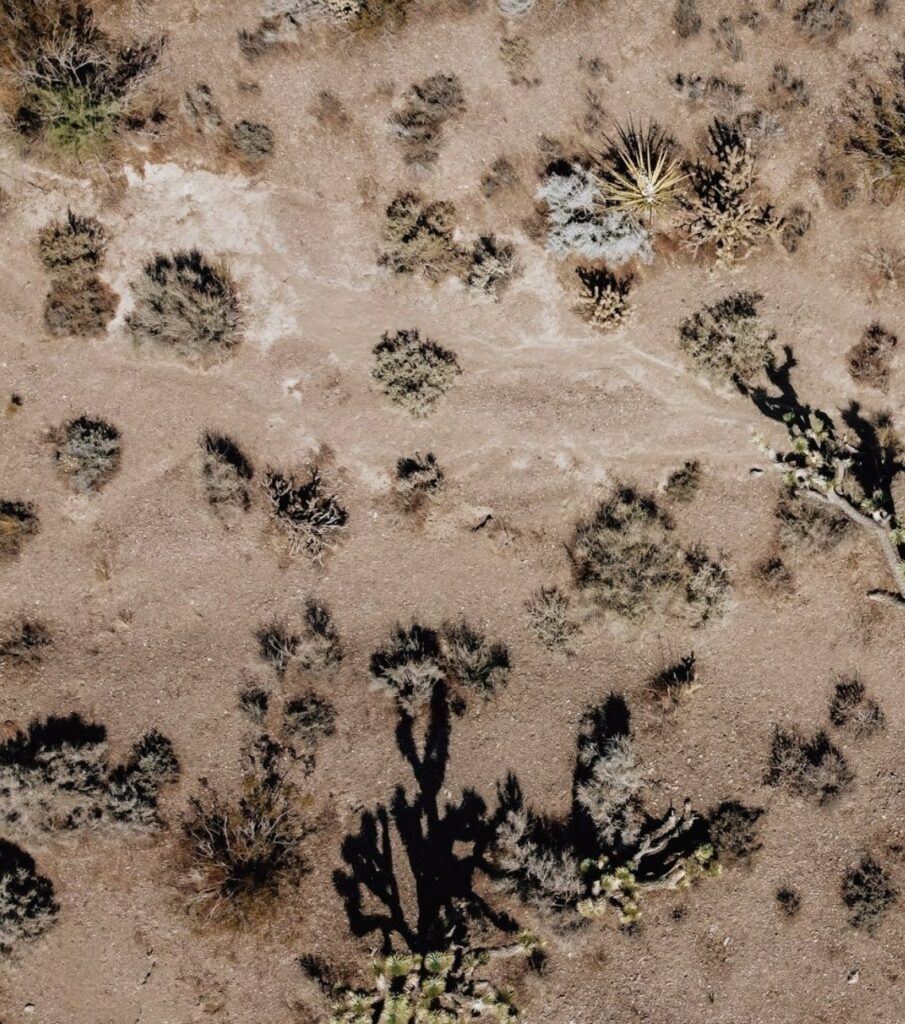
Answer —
(153, 600)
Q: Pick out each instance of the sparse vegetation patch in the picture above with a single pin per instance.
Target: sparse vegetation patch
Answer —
(88, 452)
(18, 521)
(227, 473)
(27, 904)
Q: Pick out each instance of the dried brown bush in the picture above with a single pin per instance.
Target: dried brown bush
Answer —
(869, 359)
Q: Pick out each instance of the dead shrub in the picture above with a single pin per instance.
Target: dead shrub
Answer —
(682, 484)
(72, 241)
(24, 642)
(187, 307)
(501, 176)
(426, 107)
(626, 557)
(27, 904)
(686, 18)
(809, 525)
(419, 238)
(414, 372)
(491, 265)
(787, 89)
(868, 893)
(315, 648)
(550, 616)
(603, 300)
(310, 717)
(772, 573)
(726, 38)
(852, 709)
(308, 516)
(227, 473)
(809, 767)
(733, 829)
(869, 359)
(88, 452)
(795, 225)
(726, 341)
(872, 124)
(823, 19)
(18, 521)
(417, 478)
(676, 681)
(472, 661)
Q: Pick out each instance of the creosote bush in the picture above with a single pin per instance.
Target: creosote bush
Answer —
(413, 371)
(868, 893)
(18, 521)
(603, 299)
(811, 767)
(70, 87)
(187, 307)
(88, 452)
(626, 557)
(305, 512)
(227, 473)
(869, 359)
(24, 642)
(27, 904)
(726, 341)
(418, 238)
(239, 849)
(425, 109)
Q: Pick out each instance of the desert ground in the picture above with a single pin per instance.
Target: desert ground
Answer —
(167, 589)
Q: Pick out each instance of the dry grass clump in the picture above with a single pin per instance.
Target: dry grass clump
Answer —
(72, 249)
(27, 904)
(24, 642)
(773, 575)
(419, 238)
(676, 681)
(240, 849)
(717, 215)
(316, 648)
(310, 717)
(252, 141)
(868, 893)
(70, 87)
(873, 124)
(490, 266)
(55, 776)
(603, 300)
(426, 107)
(726, 341)
(417, 478)
(682, 484)
(626, 557)
(788, 89)
(188, 307)
(808, 525)
(18, 521)
(227, 473)
(686, 18)
(88, 452)
(414, 372)
(852, 709)
(418, 659)
(809, 767)
(501, 175)
(823, 19)
(550, 616)
(305, 512)
(869, 359)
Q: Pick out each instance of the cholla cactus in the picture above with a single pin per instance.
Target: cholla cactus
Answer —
(603, 301)
(442, 987)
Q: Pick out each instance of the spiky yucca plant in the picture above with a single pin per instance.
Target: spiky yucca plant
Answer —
(640, 174)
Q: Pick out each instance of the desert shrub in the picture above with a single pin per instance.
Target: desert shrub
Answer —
(18, 521)
(720, 92)
(72, 249)
(315, 648)
(787, 89)
(603, 300)
(502, 175)
(682, 484)
(675, 681)
(795, 225)
(788, 899)
(809, 767)
(70, 85)
(873, 123)
(426, 107)
(805, 524)
(239, 849)
(25, 642)
(823, 19)
(55, 776)
(515, 8)
(518, 57)
(255, 702)
(726, 341)
(868, 892)
(186, 306)
(686, 18)
(251, 140)
(226, 471)
(772, 573)
(330, 112)
(733, 830)
(491, 265)
(305, 512)
(626, 557)
(851, 708)
(579, 225)
(276, 645)
(550, 616)
(88, 451)
(27, 904)
(869, 359)
(417, 477)
(310, 717)
(413, 371)
(410, 665)
(726, 38)
(717, 214)
(419, 238)
(472, 661)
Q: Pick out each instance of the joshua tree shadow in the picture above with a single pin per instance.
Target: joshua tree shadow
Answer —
(425, 897)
